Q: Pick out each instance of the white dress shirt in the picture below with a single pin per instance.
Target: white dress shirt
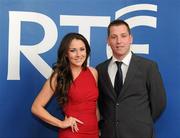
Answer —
(112, 68)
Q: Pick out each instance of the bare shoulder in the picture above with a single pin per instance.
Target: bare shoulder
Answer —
(94, 72)
(52, 82)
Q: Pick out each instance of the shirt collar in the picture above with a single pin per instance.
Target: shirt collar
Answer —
(126, 59)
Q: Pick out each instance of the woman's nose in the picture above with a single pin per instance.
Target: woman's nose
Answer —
(78, 53)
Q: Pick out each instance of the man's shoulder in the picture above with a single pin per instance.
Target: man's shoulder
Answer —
(102, 64)
(142, 59)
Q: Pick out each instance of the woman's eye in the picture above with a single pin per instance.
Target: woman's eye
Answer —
(72, 50)
(82, 49)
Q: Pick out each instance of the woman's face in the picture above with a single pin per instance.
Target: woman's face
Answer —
(76, 53)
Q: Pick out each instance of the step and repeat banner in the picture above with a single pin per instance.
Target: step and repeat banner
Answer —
(30, 33)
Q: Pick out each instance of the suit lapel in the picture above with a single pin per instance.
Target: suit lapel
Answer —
(130, 74)
(107, 80)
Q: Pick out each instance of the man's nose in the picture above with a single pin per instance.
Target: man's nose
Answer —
(119, 39)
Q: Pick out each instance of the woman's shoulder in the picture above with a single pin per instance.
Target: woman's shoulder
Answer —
(94, 72)
(92, 69)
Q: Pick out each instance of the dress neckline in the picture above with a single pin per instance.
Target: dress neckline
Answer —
(78, 75)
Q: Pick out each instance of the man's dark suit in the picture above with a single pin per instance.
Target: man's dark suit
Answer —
(141, 100)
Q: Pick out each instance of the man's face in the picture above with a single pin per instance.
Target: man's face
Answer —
(119, 40)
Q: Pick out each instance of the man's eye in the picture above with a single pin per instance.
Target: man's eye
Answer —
(124, 36)
(113, 37)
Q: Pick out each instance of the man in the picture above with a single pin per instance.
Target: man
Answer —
(128, 108)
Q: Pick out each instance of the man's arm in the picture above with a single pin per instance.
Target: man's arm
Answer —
(156, 91)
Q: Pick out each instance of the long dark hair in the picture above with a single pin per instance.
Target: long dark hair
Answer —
(61, 68)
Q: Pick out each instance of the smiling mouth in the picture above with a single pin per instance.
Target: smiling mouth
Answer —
(118, 47)
(79, 60)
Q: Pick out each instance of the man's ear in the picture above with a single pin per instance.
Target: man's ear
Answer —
(131, 39)
(107, 41)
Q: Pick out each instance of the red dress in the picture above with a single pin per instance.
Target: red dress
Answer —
(82, 98)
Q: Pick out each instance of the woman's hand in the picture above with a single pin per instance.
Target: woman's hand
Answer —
(71, 122)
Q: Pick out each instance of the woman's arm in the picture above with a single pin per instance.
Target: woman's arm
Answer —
(38, 108)
(97, 112)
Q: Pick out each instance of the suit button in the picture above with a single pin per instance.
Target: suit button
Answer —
(117, 123)
(117, 104)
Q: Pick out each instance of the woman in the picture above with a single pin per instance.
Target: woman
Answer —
(75, 86)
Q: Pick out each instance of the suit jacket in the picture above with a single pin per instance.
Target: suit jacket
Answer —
(140, 102)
